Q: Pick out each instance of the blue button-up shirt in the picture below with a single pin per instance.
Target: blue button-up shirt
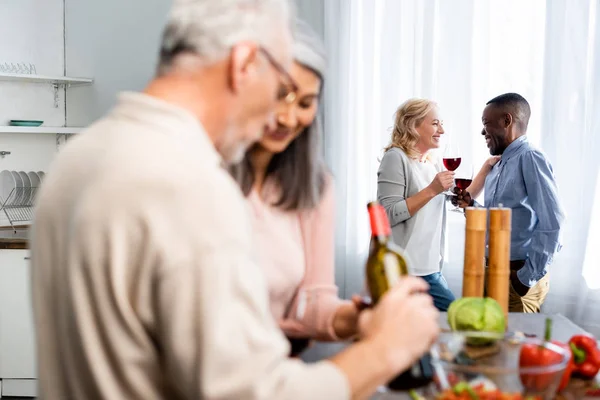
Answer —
(523, 181)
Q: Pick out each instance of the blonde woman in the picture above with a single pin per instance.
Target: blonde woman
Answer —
(409, 185)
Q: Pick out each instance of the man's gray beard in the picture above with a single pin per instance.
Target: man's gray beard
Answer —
(238, 155)
(235, 154)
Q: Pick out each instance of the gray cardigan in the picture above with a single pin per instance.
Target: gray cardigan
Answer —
(394, 186)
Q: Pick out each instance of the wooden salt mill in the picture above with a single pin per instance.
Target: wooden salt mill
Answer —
(474, 259)
(499, 256)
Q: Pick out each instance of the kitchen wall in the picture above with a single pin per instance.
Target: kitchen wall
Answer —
(312, 11)
(114, 41)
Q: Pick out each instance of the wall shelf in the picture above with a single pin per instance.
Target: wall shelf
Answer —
(55, 80)
(39, 129)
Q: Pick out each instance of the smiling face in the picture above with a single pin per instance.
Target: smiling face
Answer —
(295, 116)
(430, 131)
(496, 124)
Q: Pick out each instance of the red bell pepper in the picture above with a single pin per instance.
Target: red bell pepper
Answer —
(538, 356)
(564, 381)
(586, 355)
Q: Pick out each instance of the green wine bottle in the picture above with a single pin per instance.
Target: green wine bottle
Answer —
(386, 265)
(386, 262)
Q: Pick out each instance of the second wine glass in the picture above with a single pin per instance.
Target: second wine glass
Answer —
(463, 177)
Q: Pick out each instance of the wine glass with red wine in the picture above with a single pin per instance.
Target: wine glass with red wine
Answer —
(463, 177)
(452, 160)
(452, 164)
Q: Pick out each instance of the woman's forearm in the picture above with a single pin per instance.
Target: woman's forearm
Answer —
(419, 200)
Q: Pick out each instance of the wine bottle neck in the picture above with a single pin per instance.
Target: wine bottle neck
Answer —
(380, 226)
(381, 239)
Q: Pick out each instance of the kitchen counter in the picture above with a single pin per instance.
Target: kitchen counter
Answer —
(14, 244)
(9, 240)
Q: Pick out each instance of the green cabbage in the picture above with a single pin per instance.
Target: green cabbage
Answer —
(476, 314)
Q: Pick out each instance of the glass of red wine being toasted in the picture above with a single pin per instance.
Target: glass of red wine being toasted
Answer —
(463, 178)
(452, 160)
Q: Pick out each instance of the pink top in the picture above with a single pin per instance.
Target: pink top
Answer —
(296, 251)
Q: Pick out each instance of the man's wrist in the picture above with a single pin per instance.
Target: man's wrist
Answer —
(392, 360)
(367, 364)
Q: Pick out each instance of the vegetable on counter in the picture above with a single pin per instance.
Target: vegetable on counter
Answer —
(464, 387)
(414, 395)
(476, 314)
(539, 356)
(586, 355)
(465, 391)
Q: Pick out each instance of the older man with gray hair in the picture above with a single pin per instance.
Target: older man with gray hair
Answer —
(144, 285)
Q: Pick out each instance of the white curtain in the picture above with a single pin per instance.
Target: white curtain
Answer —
(462, 53)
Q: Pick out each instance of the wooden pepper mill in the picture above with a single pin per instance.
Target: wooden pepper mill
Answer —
(499, 256)
(474, 259)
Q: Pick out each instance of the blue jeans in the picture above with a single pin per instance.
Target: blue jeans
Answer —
(439, 290)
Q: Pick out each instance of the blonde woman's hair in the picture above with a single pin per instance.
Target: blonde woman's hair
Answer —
(408, 116)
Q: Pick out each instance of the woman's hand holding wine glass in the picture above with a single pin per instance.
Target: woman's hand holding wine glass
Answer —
(442, 182)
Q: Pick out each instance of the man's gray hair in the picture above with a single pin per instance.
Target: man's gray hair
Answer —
(209, 28)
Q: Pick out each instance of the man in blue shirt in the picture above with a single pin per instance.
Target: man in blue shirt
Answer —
(523, 181)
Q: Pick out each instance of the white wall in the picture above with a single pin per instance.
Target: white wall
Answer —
(114, 41)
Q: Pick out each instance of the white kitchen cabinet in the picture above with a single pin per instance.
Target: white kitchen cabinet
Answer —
(17, 335)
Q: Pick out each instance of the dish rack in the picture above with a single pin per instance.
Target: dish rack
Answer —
(18, 206)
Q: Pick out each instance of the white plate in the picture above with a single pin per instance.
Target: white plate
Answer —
(35, 184)
(26, 187)
(34, 178)
(41, 175)
(25, 178)
(17, 197)
(8, 183)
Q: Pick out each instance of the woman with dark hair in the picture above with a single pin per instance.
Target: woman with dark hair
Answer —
(291, 195)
